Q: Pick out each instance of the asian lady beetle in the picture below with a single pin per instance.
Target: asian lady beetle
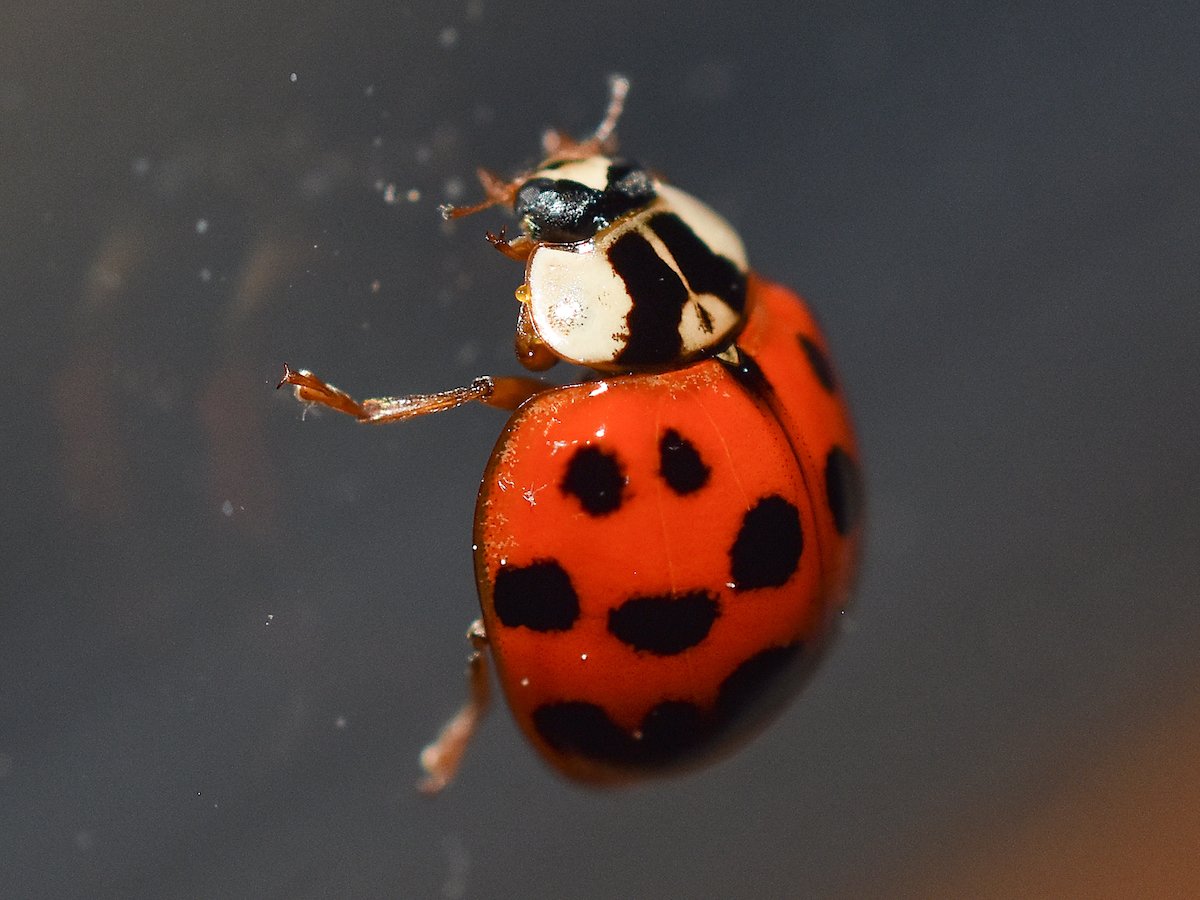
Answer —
(660, 549)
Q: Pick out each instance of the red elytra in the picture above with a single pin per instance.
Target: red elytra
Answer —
(687, 677)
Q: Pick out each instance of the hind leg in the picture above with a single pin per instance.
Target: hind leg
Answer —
(441, 758)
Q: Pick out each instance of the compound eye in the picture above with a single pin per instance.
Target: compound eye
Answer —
(557, 212)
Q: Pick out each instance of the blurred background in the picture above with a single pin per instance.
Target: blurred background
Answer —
(226, 629)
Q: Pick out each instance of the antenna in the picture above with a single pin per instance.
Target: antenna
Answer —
(618, 87)
(603, 139)
(555, 145)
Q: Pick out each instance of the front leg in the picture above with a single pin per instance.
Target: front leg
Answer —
(503, 392)
(518, 249)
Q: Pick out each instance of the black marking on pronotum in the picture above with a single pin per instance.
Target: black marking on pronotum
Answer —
(706, 272)
(819, 362)
(539, 596)
(768, 546)
(680, 464)
(843, 489)
(594, 477)
(658, 297)
(629, 186)
(664, 625)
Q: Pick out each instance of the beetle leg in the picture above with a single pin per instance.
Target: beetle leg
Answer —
(441, 758)
(503, 392)
(498, 192)
(519, 248)
(532, 351)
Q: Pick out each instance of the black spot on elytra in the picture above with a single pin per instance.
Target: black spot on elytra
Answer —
(680, 464)
(819, 362)
(595, 478)
(768, 545)
(674, 732)
(748, 374)
(745, 686)
(843, 489)
(664, 625)
(574, 726)
(669, 733)
(538, 596)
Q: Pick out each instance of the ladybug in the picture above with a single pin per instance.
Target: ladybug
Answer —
(661, 548)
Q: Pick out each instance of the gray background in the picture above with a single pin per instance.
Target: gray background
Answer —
(225, 632)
